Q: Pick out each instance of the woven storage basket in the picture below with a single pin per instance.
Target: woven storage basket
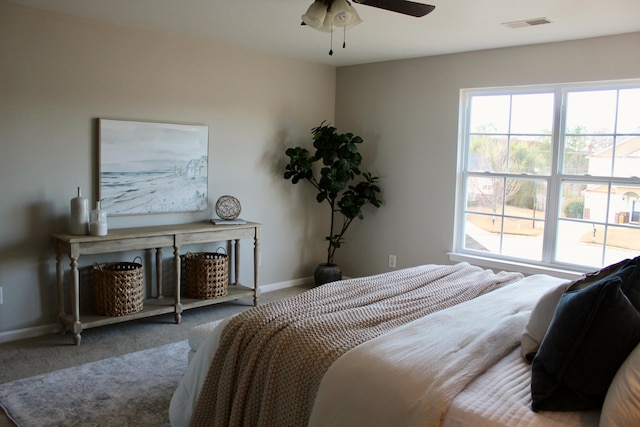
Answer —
(117, 288)
(206, 274)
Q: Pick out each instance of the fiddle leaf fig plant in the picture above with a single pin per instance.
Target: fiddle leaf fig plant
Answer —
(339, 182)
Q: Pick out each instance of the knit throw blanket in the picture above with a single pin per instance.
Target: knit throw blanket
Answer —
(271, 358)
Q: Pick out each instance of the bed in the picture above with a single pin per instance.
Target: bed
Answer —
(429, 345)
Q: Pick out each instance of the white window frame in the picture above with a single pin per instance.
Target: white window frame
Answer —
(547, 264)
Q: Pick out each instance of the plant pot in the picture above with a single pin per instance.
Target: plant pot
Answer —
(326, 273)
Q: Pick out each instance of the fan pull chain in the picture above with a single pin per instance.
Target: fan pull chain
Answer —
(331, 47)
(344, 37)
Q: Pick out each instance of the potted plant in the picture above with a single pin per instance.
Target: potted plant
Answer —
(339, 182)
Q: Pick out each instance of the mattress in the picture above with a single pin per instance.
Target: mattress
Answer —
(198, 334)
(502, 397)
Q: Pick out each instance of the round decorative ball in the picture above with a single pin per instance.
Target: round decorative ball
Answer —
(228, 207)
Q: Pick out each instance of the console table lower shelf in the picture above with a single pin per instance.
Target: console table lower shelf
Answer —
(151, 238)
(155, 307)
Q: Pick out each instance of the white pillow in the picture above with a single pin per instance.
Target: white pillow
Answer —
(621, 406)
(538, 323)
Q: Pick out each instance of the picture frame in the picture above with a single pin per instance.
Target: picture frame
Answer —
(152, 167)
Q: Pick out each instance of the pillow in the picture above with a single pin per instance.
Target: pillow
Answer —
(622, 403)
(542, 312)
(630, 273)
(594, 276)
(539, 320)
(591, 334)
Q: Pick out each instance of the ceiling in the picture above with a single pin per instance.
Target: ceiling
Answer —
(274, 25)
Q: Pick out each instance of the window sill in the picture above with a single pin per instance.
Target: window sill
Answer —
(524, 268)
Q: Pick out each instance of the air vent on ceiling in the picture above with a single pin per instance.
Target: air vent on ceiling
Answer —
(526, 23)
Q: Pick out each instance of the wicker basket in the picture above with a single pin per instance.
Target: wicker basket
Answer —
(206, 274)
(118, 288)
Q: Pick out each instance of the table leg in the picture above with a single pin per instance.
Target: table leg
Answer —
(256, 264)
(236, 262)
(159, 272)
(60, 285)
(75, 301)
(178, 305)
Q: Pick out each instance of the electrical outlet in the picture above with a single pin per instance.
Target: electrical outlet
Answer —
(392, 261)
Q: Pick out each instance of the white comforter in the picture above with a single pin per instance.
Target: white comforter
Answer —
(185, 396)
(409, 376)
(314, 327)
(501, 397)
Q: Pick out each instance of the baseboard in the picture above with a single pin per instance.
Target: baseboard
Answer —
(288, 284)
(36, 331)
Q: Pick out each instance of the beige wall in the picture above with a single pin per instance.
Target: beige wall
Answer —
(407, 113)
(59, 73)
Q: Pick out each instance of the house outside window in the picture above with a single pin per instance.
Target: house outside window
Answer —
(549, 175)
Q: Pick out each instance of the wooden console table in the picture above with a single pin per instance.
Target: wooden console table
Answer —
(155, 237)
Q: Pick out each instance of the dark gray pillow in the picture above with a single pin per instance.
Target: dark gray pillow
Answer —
(591, 334)
(630, 274)
(542, 313)
(589, 279)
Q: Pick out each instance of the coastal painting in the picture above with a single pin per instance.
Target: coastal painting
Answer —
(152, 168)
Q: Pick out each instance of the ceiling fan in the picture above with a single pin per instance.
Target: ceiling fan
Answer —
(404, 7)
(325, 15)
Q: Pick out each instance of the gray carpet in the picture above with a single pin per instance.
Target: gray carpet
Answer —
(130, 390)
(35, 356)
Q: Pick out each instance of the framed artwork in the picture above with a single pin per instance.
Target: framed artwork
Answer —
(148, 168)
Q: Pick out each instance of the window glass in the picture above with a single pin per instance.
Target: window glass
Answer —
(587, 154)
(592, 112)
(629, 111)
(530, 155)
(626, 156)
(484, 195)
(488, 153)
(532, 114)
(490, 114)
(526, 176)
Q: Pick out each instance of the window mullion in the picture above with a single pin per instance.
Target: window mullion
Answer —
(553, 191)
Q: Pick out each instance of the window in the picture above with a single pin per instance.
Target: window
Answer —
(549, 175)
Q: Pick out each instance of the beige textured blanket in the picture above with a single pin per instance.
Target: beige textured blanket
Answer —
(272, 358)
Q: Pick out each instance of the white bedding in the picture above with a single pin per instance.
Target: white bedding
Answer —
(381, 384)
(501, 397)
(184, 398)
(409, 376)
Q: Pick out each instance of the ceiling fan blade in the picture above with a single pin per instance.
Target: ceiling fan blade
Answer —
(401, 6)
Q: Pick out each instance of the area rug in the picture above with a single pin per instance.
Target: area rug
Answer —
(130, 390)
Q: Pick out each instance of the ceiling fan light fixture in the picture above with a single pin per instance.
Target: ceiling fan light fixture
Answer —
(316, 15)
(342, 14)
(325, 15)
